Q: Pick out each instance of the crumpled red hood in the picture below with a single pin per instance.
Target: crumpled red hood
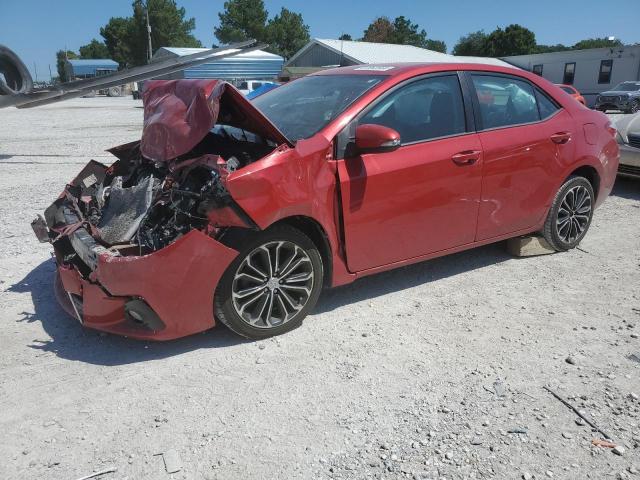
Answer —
(178, 114)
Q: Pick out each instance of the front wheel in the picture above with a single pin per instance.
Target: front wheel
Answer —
(570, 215)
(272, 285)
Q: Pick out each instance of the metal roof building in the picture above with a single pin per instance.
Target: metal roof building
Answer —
(321, 53)
(91, 68)
(256, 65)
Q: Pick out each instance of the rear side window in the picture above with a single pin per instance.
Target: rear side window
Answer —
(505, 101)
(422, 110)
(546, 106)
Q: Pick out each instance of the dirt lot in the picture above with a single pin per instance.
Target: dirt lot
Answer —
(417, 373)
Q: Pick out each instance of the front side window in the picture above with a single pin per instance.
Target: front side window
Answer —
(422, 110)
(569, 73)
(605, 71)
(504, 101)
(537, 69)
(303, 107)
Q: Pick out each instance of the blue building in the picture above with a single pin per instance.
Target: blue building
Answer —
(90, 68)
(256, 65)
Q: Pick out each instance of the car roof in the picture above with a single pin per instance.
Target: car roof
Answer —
(409, 69)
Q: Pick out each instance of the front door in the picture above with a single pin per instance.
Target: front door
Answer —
(423, 197)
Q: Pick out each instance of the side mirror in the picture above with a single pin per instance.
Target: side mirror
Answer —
(372, 138)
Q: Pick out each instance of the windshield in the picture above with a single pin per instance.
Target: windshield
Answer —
(627, 87)
(302, 108)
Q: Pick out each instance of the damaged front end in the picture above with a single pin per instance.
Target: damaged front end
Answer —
(140, 244)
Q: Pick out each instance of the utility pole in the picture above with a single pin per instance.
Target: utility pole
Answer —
(149, 52)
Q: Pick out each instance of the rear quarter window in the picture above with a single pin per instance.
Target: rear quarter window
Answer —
(546, 106)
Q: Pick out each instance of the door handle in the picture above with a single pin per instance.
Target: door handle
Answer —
(561, 137)
(468, 157)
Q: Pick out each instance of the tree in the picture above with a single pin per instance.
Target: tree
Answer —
(286, 33)
(345, 36)
(551, 48)
(61, 63)
(513, 40)
(94, 49)
(435, 45)
(242, 20)
(379, 31)
(126, 37)
(406, 33)
(597, 43)
(472, 45)
(518, 40)
(401, 31)
(116, 34)
(169, 28)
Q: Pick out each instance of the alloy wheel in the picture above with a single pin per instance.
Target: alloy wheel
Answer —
(574, 214)
(272, 284)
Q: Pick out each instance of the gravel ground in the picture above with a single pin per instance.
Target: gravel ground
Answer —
(430, 371)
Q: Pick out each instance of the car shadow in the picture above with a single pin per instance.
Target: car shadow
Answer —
(411, 276)
(69, 340)
(627, 187)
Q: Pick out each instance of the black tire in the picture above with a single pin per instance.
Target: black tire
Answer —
(17, 76)
(635, 106)
(555, 229)
(224, 306)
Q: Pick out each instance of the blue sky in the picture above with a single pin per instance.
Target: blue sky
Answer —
(35, 29)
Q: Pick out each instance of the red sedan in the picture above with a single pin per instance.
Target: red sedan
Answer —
(242, 212)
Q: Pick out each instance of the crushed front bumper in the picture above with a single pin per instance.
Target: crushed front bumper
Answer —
(175, 285)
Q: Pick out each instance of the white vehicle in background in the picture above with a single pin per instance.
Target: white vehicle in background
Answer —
(248, 86)
(628, 137)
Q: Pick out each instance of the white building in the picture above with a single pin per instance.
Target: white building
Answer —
(591, 71)
(322, 53)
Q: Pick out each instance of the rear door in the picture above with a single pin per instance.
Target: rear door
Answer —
(423, 197)
(526, 139)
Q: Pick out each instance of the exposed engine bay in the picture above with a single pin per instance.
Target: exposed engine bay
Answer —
(170, 182)
(137, 206)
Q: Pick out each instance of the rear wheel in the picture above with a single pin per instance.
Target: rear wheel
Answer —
(570, 215)
(272, 285)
